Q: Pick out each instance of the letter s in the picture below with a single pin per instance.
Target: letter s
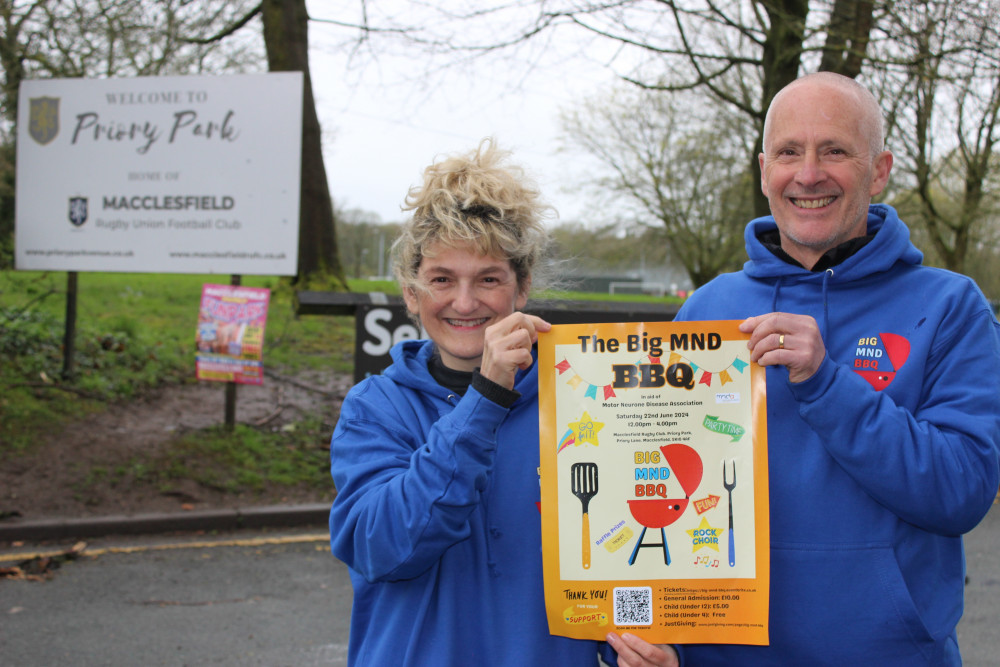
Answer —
(374, 328)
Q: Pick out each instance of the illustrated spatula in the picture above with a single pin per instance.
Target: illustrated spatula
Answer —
(584, 477)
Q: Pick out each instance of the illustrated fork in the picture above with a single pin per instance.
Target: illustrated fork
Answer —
(729, 487)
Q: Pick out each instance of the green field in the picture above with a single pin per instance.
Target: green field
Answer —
(135, 332)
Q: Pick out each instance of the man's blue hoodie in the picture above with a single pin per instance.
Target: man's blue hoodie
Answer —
(879, 462)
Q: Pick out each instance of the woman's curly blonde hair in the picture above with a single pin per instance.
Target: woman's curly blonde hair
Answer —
(474, 200)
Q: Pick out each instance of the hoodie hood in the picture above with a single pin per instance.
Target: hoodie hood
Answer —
(409, 365)
(890, 245)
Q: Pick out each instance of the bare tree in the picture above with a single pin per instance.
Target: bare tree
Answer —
(365, 241)
(91, 38)
(940, 75)
(935, 63)
(286, 34)
(674, 162)
(984, 256)
(586, 256)
(739, 53)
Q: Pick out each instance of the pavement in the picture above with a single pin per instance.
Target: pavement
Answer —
(275, 516)
(280, 599)
(247, 598)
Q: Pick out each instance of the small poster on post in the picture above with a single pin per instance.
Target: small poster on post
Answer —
(230, 338)
(653, 451)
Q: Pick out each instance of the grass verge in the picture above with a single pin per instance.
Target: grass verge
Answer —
(135, 332)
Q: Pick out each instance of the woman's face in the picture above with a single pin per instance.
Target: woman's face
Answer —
(462, 292)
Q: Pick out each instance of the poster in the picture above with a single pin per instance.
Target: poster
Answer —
(653, 452)
(230, 338)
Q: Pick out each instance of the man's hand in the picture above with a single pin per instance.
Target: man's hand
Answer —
(788, 340)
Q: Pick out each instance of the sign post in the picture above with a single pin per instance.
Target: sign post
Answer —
(69, 335)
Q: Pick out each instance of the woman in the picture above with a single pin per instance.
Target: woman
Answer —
(435, 461)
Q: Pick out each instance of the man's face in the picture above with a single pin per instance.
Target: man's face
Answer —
(817, 169)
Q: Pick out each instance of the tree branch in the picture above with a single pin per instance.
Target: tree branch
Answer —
(226, 31)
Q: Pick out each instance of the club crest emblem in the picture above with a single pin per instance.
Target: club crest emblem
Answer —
(43, 119)
(77, 210)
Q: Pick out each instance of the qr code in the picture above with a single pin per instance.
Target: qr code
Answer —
(634, 605)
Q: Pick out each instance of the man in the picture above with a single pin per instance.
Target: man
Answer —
(882, 397)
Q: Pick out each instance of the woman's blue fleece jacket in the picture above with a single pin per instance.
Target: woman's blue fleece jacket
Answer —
(436, 516)
(879, 462)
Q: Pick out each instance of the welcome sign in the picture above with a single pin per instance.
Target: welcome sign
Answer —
(174, 174)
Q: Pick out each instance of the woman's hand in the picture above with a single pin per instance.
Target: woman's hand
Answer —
(507, 347)
(635, 652)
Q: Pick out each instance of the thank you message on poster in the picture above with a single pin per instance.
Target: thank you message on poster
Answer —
(654, 482)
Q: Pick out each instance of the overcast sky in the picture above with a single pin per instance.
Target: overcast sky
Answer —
(385, 120)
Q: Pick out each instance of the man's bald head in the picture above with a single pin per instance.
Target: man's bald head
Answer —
(870, 111)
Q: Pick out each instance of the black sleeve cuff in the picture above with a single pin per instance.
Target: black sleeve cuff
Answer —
(499, 394)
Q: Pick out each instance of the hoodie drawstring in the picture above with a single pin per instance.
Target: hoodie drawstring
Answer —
(826, 306)
(824, 325)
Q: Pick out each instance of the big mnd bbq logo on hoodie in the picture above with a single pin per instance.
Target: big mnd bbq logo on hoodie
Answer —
(878, 358)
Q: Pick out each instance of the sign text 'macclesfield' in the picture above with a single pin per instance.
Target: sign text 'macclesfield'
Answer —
(169, 203)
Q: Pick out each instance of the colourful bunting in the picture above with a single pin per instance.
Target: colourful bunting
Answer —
(590, 388)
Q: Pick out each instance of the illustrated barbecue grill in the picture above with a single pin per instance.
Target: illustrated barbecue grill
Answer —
(686, 466)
